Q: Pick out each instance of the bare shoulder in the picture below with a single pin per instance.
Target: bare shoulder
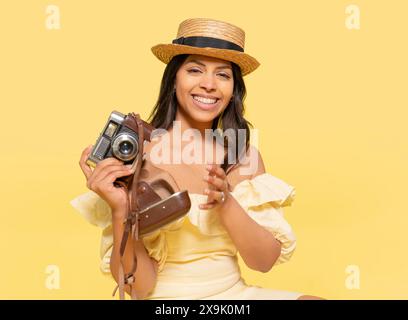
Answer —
(249, 167)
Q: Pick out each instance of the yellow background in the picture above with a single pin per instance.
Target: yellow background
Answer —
(330, 104)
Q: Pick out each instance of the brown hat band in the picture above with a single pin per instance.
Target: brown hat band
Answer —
(203, 42)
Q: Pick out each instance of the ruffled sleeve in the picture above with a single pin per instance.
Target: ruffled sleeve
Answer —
(97, 212)
(263, 198)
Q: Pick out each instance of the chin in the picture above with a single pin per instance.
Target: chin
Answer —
(203, 117)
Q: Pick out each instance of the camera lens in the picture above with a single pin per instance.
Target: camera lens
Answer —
(125, 147)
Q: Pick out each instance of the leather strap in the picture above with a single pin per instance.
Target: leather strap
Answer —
(147, 210)
(132, 220)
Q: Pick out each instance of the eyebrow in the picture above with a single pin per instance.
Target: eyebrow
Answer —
(202, 64)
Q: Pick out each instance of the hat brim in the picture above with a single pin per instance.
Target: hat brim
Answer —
(165, 52)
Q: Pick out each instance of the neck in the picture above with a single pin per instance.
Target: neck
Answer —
(187, 122)
(184, 123)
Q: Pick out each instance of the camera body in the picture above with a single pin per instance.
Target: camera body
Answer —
(119, 139)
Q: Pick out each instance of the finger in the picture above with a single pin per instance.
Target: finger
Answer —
(86, 169)
(101, 171)
(215, 169)
(106, 162)
(101, 165)
(218, 183)
(110, 178)
(207, 206)
(101, 175)
(210, 195)
(214, 195)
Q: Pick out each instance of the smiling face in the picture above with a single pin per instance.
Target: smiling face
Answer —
(204, 87)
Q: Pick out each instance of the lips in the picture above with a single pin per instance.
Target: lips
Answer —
(205, 96)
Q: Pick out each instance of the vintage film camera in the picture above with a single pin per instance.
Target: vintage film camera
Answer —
(119, 139)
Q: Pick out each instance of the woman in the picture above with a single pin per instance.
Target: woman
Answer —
(236, 205)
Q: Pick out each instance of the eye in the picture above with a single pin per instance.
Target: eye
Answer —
(226, 76)
(193, 71)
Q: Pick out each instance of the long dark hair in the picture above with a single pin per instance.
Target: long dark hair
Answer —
(232, 118)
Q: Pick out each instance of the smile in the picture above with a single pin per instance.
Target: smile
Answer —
(205, 103)
(205, 100)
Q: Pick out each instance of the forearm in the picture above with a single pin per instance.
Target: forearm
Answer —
(257, 246)
(146, 272)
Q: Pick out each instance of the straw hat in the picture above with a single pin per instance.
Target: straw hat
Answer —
(208, 37)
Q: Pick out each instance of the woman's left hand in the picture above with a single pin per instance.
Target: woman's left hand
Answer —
(218, 187)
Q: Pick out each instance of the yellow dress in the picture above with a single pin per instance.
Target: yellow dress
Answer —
(196, 257)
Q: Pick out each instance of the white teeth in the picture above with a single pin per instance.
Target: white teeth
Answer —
(205, 100)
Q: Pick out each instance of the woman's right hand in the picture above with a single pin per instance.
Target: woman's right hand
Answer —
(100, 180)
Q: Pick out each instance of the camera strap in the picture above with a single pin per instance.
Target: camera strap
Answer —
(154, 200)
(132, 220)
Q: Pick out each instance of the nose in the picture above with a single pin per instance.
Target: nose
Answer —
(208, 82)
